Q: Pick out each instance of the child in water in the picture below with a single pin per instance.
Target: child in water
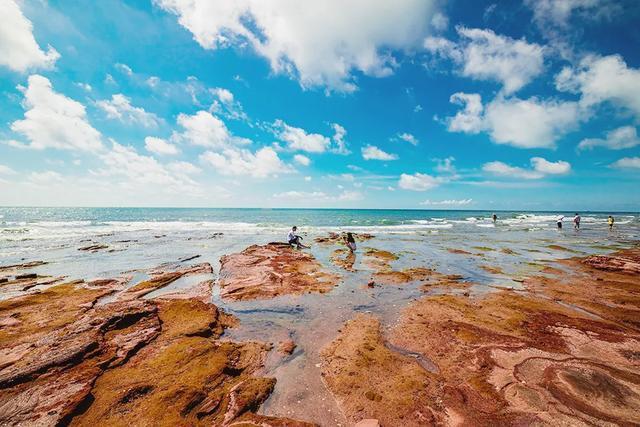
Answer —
(610, 220)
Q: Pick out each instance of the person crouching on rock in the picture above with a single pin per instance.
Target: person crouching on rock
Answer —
(294, 239)
(351, 242)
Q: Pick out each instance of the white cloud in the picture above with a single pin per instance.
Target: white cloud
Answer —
(558, 12)
(469, 119)
(439, 21)
(226, 105)
(299, 139)
(6, 170)
(627, 163)
(539, 169)
(418, 182)
(120, 108)
(240, 162)
(124, 69)
(159, 146)
(184, 168)
(617, 139)
(19, 50)
(84, 86)
(451, 202)
(603, 79)
(54, 121)
(408, 138)
(319, 43)
(138, 170)
(445, 165)
(205, 130)
(523, 123)
(371, 152)
(340, 145)
(503, 169)
(550, 168)
(485, 55)
(302, 160)
(307, 178)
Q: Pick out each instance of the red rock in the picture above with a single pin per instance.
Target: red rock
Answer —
(369, 422)
(270, 270)
(287, 347)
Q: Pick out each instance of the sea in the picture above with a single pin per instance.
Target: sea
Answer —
(463, 242)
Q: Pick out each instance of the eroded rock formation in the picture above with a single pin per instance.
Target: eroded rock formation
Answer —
(267, 271)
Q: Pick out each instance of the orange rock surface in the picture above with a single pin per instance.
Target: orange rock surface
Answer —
(267, 271)
(564, 352)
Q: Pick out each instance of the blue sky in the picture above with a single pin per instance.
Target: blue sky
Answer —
(280, 103)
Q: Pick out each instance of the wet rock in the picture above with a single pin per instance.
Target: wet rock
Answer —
(369, 380)
(371, 284)
(343, 258)
(492, 269)
(189, 258)
(333, 238)
(625, 262)
(67, 361)
(26, 276)
(93, 248)
(22, 266)
(369, 422)
(287, 347)
(266, 271)
(161, 278)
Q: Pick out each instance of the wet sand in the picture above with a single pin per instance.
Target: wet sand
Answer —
(407, 331)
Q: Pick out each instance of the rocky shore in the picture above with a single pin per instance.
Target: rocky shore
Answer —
(562, 350)
(565, 351)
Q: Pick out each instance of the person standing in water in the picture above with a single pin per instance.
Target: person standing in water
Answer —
(494, 217)
(576, 221)
(610, 220)
(294, 239)
(559, 222)
(351, 242)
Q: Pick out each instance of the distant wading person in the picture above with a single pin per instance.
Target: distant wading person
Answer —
(351, 242)
(576, 221)
(294, 239)
(494, 217)
(559, 222)
(610, 220)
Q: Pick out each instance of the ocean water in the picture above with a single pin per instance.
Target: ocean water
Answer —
(140, 239)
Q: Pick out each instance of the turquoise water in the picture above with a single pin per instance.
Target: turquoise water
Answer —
(270, 217)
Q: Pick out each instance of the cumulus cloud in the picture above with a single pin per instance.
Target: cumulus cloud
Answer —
(19, 50)
(627, 163)
(523, 123)
(302, 160)
(318, 43)
(450, 202)
(485, 55)
(418, 182)
(617, 139)
(241, 162)
(6, 170)
(469, 119)
(205, 130)
(371, 152)
(159, 146)
(54, 121)
(409, 138)
(299, 139)
(139, 170)
(603, 79)
(540, 168)
(445, 165)
(119, 108)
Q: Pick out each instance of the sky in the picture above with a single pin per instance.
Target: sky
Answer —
(417, 104)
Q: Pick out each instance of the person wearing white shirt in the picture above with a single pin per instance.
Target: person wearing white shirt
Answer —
(559, 221)
(294, 239)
